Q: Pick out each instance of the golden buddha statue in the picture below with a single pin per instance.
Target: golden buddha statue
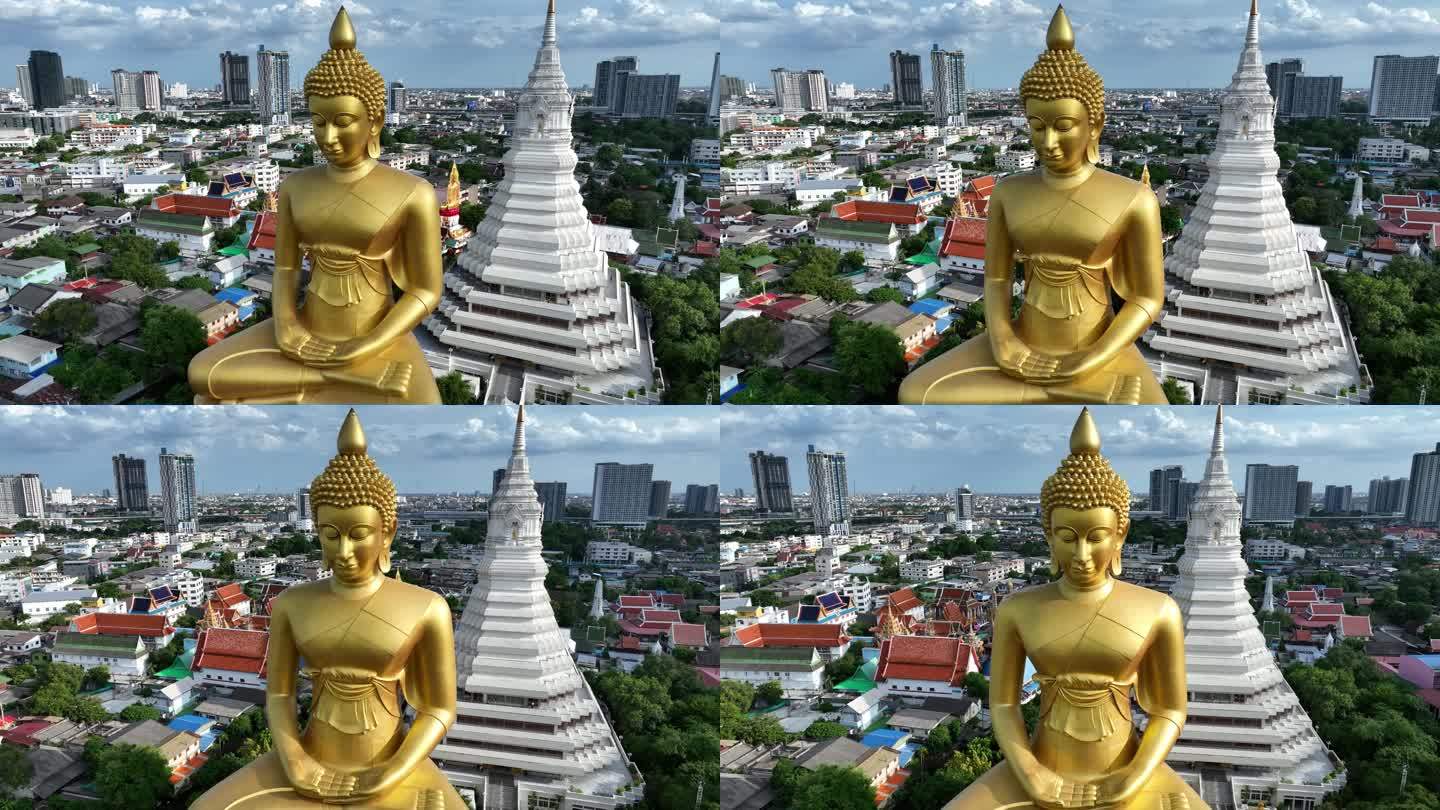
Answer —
(1080, 234)
(365, 228)
(364, 638)
(1092, 639)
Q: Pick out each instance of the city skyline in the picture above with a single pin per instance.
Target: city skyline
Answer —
(430, 450)
(895, 449)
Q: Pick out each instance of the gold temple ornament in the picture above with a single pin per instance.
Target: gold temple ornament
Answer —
(364, 637)
(366, 230)
(1093, 640)
(1081, 235)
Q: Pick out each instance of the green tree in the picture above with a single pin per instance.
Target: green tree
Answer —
(471, 215)
(131, 776)
(197, 175)
(15, 767)
(171, 337)
(771, 692)
(620, 212)
(136, 712)
(67, 320)
(96, 677)
(831, 787)
(750, 341)
(1170, 219)
(824, 730)
(881, 294)
(1175, 393)
(196, 282)
(871, 358)
(454, 390)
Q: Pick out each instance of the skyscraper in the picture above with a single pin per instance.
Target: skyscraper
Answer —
(533, 304)
(1387, 496)
(1160, 487)
(22, 77)
(702, 499)
(126, 85)
(801, 91)
(177, 491)
(235, 78)
(272, 71)
(829, 491)
(947, 78)
(1245, 730)
(731, 87)
(495, 478)
(152, 90)
(621, 494)
(552, 498)
(1337, 498)
(659, 498)
(304, 517)
(132, 493)
(399, 101)
(965, 509)
(1270, 493)
(47, 80)
(76, 87)
(22, 496)
(1315, 96)
(905, 81)
(605, 78)
(644, 95)
(771, 474)
(712, 110)
(1280, 76)
(1304, 491)
(1402, 88)
(529, 725)
(1249, 318)
(1422, 503)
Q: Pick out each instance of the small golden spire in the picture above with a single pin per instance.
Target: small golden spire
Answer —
(270, 203)
(351, 441)
(342, 33)
(454, 172)
(1060, 36)
(1145, 174)
(1085, 438)
(1254, 8)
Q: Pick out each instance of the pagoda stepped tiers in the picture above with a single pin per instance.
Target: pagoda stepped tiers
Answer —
(532, 306)
(1248, 317)
(529, 732)
(1246, 737)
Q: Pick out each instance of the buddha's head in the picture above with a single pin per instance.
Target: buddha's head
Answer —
(1064, 102)
(346, 97)
(354, 507)
(1085, 511)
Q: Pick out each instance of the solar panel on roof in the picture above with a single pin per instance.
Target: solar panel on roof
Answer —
(140, 604)
(898, 195)
(162, 594)
(831, 601)
(235, 179)
(217, 188)
(809, 613)
(916, 183)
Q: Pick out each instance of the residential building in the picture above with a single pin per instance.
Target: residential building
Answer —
(922, 570)
(47, 80)
(603, 552)
(132, 493)
(22, 77)
(22, 496)
(514, 669)
(126, 656)
(1016, 160)
(965, 509)
(905, 81)
(22, 357)
(127, 89)
(829, 491)
(1382, 150)
(621, 493)
(605, 78)
(1160, 486)
(152, 90)
(1299, 96)
(235, 78)
(272, 72)
(875, 764)
(1402, 88)
(39, 604)
(771, 474)
(1245, 729)
(1422, 503)
(1270, 493)
(1304, 493)
(801, 91)
(552, 499)
(177, 491)
(659, 498)
(1387, 496)
(641, 95)
(399, 101)
(947, 74)
(1337, 499)
(256, 567)
(702, 499)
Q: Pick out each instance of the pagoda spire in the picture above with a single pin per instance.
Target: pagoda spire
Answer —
(518, 448)
(452, 190)
(1357, 199)
(549, 36)
(1145, 175)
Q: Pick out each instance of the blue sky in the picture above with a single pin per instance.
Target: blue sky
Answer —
(1013, 449)
(434, 449)
(1179, 43)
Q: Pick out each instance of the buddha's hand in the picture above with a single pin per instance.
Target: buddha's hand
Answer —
(349, 351)
(1052, 791)
(1118, 788)
(373, 782)
(1019, 360)
(299, 344)
(317, 781)
(1076, 366)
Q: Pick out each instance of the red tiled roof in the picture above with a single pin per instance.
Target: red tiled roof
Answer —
(1326, 610)
(262, 236)
(780, 310)
(234, 650)
(1398, 228)
(230, 595)
(631, 643)
(652, 616)
(196, 205)
(1303, 635)
(883, 212)
(781, 634)
(122, 624)
(1307, 595)
(633, 629)
(904, 599)
(689, 635)
(1428, 216)
(637, 600)
(984, 185)
(925, 658)
(1384, 244)
(1356, 626)
(1332, 593)
(1400, 199)
(964, 236)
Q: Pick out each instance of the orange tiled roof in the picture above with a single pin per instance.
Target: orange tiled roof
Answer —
(262, 236)
(234, 650)
(984, 185)
(924, 658)
(196, 205)
(122, 624)
(689, 635)
(1356, 626)
(1296, 597)
(637, 600)
(883, 212)
(781, 634)
(904, 599)
(229, 595)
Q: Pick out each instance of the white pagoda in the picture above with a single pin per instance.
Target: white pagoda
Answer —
(1248, 317)
(1247, 737)
(532, 306)
(529, 733)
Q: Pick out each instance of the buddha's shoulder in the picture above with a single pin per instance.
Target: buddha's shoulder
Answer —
(382, 182)
(301, 593)
(1130, 597)
(1030, 598)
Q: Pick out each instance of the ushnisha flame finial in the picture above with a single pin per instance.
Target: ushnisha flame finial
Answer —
(1085, 437)
(351, 441)
(342, 33)
(1060, 36)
